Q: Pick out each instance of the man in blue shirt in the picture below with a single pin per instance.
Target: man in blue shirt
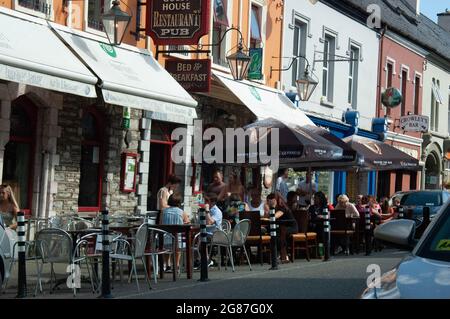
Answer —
(213, 214)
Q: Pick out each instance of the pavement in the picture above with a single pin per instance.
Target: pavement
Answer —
(343, 277)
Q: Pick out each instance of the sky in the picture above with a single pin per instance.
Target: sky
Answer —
(431, 8)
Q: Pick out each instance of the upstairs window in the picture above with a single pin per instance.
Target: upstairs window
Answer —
(353, 77)
(389, 75)
(95, 9)
(220, 24)
(298, 68)
(404, 91)
(329, 51)
(41, 7)
(255, 27)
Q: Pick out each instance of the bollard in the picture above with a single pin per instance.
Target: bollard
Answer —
(22, 276)
(203, 251)
(401, 211)
(367, 231)
(106, 283)
(326, 234)
(273, 239)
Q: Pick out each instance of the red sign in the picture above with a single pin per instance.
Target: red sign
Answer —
(193, 75)
(177, 22)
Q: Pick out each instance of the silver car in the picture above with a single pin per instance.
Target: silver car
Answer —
(425, 273)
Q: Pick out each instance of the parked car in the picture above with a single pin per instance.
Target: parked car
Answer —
(425, 273)
(418, 199)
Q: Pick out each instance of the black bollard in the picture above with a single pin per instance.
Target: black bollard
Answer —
(273, 239)
(367, 231)
(106, 283)
(203, 250)
(326, 233)
(22, 279)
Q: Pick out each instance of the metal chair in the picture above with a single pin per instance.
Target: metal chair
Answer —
(160, 242)
(53, 246)
(236, 238)
(125, 252)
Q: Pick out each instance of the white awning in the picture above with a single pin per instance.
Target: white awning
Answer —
(30, 53)
(265, 102)
(131, 77)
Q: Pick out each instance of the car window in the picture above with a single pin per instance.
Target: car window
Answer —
(421, 199)
(437, 244)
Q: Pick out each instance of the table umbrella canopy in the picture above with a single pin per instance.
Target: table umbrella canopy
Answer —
(381, 156)
(297, 145)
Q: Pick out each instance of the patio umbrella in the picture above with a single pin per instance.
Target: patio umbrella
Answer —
(298, 146)
(380, 156)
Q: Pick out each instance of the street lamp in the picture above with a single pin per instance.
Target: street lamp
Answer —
(239, 63)
(115, 22)
(305, 84)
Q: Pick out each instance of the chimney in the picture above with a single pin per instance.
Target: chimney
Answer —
(444, 20)
(415, 5)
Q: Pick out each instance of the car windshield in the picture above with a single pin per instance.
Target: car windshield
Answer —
(421, 199)
(437, 244)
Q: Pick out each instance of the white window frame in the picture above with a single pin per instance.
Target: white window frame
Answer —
(417, 75)
(353, 94)
(86, 20)
(35, 13)
(434, 115)
(402, 69)
(328, 97)
(299, 64)
(226, 44)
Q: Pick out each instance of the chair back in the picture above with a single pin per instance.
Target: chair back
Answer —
(240, 233)
(340, 222)
(302, 218)
(141, 241)
(54, 245)
(226, 225)
(77, 223)
(255, 222)
(156, 238)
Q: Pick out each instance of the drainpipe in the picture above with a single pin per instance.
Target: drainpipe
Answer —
(45, 159)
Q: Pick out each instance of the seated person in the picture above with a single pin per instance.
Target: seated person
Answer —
(234, 206)
(343, 203)
(281, 213)
(256, 203)
(213, 213)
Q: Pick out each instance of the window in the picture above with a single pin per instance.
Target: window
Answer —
(328, 67)
(19, 153)
(220, 24)
(95, 9)
(298, 68)
(404, 83)
(417, 95)
(91, 165)
(353, 77)
(41, 6)
(389, 75)
(255, 27)
(435, 101)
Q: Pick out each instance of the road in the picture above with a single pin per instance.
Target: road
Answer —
(342, 277)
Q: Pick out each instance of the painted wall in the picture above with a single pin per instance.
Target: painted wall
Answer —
(319, 18)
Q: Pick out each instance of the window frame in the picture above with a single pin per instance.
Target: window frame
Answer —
(352, 97)
(219, 60)
(89, 29)
(254, 42)
(328, 82)
(50, 16)
(389, 78)
(417, 86)
(298, 66)
(100, 123)
(404, 89)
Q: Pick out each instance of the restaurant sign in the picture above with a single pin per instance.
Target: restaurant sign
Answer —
(255, 68)
(193, 75)
(177, 22)
(414, 123)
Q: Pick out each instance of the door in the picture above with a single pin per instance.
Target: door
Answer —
(160, 168)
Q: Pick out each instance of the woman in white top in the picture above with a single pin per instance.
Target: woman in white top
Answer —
(165, 192)
(256, 203)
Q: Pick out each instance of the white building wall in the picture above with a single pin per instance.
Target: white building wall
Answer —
(321, 18)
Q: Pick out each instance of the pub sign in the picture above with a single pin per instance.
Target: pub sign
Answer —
(192, 75)
(177, 22)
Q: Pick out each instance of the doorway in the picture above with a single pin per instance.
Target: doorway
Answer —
(160, 168)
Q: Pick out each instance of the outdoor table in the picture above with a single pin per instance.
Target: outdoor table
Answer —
(189, 230)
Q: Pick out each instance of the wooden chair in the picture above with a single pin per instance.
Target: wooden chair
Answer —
(341, 226)
(308, 239)
(255, 236)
